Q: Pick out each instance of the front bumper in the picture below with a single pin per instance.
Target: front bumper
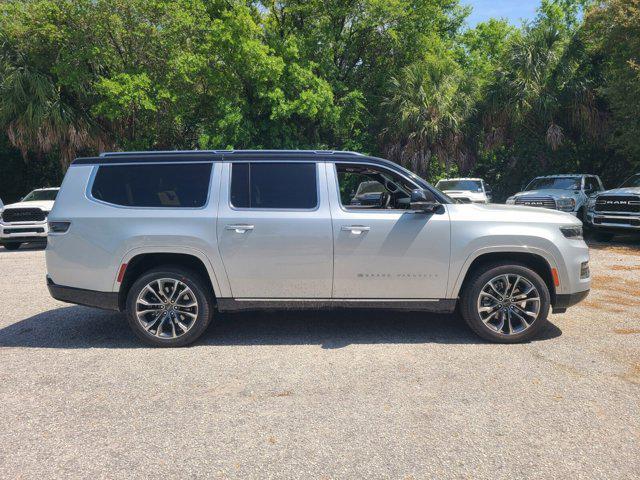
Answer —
(608, 221)
(564, 301)
(23, 232)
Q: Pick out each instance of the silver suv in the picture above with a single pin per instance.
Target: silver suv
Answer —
(170, 237)
(568, 193)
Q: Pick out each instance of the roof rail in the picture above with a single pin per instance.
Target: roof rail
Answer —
(227, 152)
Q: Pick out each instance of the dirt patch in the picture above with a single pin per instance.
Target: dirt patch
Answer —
(626, 268)
(626, 331)
(633, 374)
(621, 249)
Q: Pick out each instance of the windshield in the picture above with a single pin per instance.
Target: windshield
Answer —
(38, 195)
(556, 183)
(632, 181)
(467, 185)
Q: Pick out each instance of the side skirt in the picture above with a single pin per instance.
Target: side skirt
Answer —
(441, 305)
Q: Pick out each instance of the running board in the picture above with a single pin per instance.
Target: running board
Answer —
(431, 305)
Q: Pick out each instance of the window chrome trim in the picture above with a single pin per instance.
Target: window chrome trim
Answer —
(94, 171)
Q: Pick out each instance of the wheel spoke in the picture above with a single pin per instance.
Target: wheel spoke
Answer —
(166, 308)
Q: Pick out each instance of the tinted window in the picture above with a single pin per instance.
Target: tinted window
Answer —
(169, 185)
(274, 185)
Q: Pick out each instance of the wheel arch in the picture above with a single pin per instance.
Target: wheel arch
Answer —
(139, 262)
(538, 261)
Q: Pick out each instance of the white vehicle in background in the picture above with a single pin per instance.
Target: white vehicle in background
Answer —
(466, 190)
(617, 210)
(567, 193)
(26, 221)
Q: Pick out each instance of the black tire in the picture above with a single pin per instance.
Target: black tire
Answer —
(582, 216)
(473, 287)
(12, 246)
(603, 236)
(202, 294)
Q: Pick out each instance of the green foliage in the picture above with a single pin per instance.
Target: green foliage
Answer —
(399, 78)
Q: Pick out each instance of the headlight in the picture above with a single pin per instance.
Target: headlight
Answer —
(591, 203)
(566, 204)
(574, 232)
(511, 200)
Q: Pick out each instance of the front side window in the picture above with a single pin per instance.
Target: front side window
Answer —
(183, 185)
(369, 187)
(40, 195)
(632, 182)
(274, 185)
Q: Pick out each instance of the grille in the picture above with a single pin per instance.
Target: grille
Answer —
(617, 221)
(23, 230)
(612, 203)
(544, 202)
(23, 215)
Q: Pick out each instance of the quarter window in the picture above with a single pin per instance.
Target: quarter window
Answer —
(274, 185)
(184, 185)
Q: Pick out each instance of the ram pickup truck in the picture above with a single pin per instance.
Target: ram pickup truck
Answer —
(170, 238)
(567, 193)
(617, 210)
(26, 221)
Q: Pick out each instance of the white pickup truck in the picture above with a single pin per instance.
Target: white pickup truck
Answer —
(26, 220)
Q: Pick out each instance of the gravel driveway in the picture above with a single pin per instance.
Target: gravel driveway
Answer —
(320, 395)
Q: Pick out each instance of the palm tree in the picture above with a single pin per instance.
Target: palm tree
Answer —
(426, 110)
(39, 116)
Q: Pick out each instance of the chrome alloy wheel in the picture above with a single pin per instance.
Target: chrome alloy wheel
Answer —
(509, 304)
(167, 308)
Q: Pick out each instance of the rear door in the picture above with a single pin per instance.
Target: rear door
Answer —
(274, 229)
(384, 250)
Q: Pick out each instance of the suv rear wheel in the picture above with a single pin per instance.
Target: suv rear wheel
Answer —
(12, 246)
(169, 307)
(505, 303)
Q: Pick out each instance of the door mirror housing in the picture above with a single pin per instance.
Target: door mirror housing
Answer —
(422, 201)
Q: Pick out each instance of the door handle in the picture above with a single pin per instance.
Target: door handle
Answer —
(355, 229)
(239, 228)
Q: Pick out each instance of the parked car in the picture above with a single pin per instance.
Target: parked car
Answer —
(616, 211)
(567, 193)
(466, 190)
(26, 221)
(168, 237)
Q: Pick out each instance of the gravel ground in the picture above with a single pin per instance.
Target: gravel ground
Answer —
(320, 395)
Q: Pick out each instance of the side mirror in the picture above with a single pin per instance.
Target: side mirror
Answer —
(420, 201)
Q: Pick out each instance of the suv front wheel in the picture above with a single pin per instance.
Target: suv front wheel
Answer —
(505, 303)
(169, 307)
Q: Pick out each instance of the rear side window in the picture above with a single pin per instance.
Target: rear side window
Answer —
(183, 185)
(274, 185)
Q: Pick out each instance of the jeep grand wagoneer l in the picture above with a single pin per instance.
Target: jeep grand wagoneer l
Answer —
(171, 237)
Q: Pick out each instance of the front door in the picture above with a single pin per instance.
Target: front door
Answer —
(274, 230)
(383, 250)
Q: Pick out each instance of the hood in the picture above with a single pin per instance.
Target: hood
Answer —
(551, 192)
(515, 214)
(622, 191)
(44, 205)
